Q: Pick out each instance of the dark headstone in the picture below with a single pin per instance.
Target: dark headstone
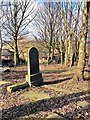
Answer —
(34, 76)
(34, 61)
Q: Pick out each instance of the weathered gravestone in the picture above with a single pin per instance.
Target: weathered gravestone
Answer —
(34, 76)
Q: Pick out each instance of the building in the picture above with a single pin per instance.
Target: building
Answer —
(7, 58)
(7, 54)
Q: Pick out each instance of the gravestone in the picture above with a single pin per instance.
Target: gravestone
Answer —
(34, 76)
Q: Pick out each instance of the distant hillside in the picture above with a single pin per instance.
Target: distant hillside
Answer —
(24, 44)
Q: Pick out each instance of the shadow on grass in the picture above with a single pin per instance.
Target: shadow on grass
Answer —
(68, 75)
(54, 71)
(14, 74)
(19, 72)
(42, 105)
(56, 81)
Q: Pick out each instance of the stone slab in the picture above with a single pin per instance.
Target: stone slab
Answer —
(34, 95)
(18, 86)
(35, 79)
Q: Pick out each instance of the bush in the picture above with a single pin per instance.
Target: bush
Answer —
(23, 61)
(9, 63)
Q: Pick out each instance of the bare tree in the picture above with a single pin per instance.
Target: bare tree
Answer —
(82, 47)
(46, 25)
(17, 15)
(71, 20)
(59, 27)
(1, 16)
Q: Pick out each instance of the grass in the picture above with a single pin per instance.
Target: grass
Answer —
(4, 82)
(64, 90)
(60, 91)
(53, 71)
(54, 116)
(83, 104)
(60, 70)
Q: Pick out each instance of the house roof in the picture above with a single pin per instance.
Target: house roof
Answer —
(6, 52)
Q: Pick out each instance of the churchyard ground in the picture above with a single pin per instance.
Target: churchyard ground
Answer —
(59, 95)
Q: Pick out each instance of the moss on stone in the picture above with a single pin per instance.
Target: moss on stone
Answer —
(83, 104)
(54, 116)
(34, 95)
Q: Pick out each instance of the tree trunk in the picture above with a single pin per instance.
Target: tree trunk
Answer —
(66, 53)
(16, 53)
(71, 51)
(67, 35)
(0, 57)
(0, 49)
(49, 56)
(51, 40)
(61, 58)
(61, 48)
(79, 74)
(71, 57)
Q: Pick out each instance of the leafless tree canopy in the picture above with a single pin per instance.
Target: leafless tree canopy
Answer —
(17, 16)
(56, 23)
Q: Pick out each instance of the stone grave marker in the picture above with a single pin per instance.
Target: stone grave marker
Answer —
(34, 76)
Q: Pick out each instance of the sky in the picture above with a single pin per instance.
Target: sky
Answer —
(57, 0)
(41, 1)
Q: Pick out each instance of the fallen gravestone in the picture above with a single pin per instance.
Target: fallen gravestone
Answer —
(34, 76)
(17, 86)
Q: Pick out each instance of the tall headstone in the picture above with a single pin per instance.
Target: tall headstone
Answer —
(34, 76)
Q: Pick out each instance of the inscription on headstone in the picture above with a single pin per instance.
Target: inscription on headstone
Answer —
(34, 76)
